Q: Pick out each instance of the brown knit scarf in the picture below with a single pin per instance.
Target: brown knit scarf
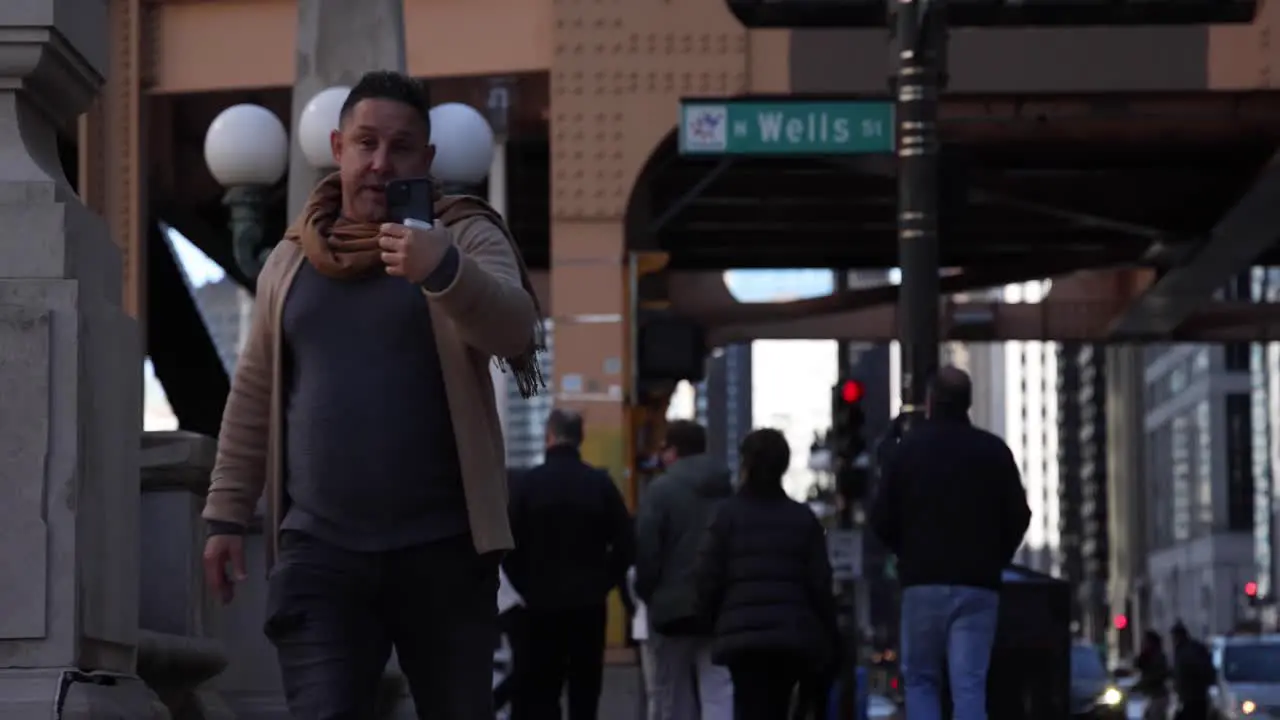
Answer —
(343, 249)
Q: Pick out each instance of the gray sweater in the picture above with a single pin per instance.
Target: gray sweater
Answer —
(371, 459)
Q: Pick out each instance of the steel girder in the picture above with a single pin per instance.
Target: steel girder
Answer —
(1248, 230)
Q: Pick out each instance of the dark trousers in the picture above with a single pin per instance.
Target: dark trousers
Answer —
(813, 695)
(762, 687)
(334, 616)
(557, 650)
(1195, 707)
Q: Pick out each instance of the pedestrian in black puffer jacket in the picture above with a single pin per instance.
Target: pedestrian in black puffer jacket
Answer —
(764, 581)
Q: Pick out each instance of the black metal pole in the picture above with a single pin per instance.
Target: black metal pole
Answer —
(843, 361)
(921, 34)
(849, 639)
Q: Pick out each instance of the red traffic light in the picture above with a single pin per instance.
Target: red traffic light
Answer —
(1251, 589)
(851, 391)
(1121, 622)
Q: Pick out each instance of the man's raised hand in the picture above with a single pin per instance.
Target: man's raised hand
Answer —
(413, 253)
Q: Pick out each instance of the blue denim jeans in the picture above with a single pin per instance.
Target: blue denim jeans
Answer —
(947, 628)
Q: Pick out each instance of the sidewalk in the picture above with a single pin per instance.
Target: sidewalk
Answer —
(620, 699)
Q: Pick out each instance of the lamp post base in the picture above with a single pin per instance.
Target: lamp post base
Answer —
(247, 204)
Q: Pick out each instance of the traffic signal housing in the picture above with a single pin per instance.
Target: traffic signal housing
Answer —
(1251, 593)
(847, 420)
(848, 439)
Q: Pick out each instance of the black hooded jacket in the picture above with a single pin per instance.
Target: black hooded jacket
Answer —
(764, 581)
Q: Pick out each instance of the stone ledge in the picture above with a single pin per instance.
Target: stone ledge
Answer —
(53, 75)
(82, 22)
(177, 460)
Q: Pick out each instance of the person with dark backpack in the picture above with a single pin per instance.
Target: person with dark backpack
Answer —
(1193, 674)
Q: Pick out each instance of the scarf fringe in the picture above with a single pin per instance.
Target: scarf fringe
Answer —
(526, 369)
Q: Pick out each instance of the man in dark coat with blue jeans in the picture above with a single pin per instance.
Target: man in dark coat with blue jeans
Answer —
(951, 506)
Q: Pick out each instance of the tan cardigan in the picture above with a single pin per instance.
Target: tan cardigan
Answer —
(484, 313)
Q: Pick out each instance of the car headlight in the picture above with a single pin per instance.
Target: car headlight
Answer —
(1248, 707)
(1111, 697)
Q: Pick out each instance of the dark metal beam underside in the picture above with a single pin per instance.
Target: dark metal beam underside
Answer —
(1087, 185)
(184, 357)
(1245, 234)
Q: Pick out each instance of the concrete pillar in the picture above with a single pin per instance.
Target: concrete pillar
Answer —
(1127, 487)
(337, 42)
(70, 379)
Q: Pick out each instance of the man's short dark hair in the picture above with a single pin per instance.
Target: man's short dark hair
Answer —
(565, 426)
(686, 437)
(765, 456)
(952, 389)
(389, 85)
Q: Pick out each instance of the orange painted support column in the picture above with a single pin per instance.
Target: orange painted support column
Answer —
(617, 73)
(113, 155)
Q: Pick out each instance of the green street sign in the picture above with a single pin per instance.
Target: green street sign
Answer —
(784, 127)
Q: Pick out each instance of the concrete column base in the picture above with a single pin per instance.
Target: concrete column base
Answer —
(74, 695)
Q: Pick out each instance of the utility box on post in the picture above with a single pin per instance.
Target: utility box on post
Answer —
(669, 347)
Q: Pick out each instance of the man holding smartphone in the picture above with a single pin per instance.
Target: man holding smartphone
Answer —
(362, 406)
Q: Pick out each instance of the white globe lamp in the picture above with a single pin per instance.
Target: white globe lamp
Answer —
(317, 122)
(246, 145)
(464, 144)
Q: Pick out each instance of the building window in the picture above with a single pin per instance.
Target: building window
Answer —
(1204, 469)
(1181, 476)
(1236, 357)
(1159, 455)
(1239, 461)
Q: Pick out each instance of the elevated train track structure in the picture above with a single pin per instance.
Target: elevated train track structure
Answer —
(1132, 166)
(1120, 195)
(1164, 188)
(1112, 196)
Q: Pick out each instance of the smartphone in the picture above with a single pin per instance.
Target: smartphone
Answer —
(411, 199)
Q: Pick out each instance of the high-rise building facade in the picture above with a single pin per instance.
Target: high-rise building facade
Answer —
(1264, 394)
(1031, 430)
(1070, 490)
(524, 420)
(1082, 484)
(723, 402)
(1200, 483)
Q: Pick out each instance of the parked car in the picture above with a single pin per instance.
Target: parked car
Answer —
(1094, 695)
(1248, 683)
